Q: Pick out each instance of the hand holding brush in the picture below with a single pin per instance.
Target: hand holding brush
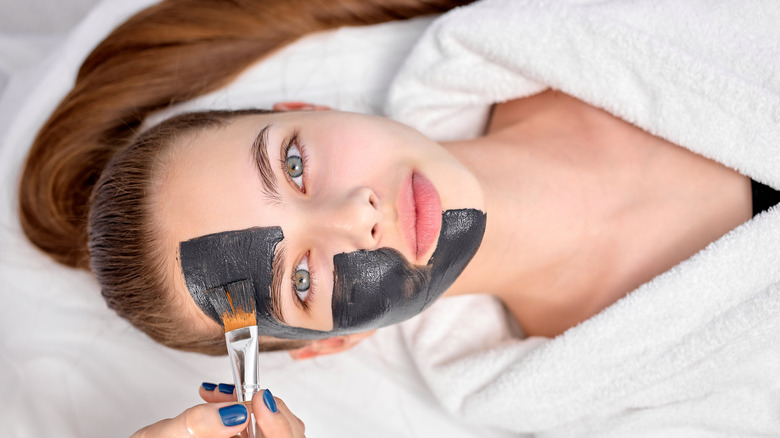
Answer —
(235, 304)
(222, 417)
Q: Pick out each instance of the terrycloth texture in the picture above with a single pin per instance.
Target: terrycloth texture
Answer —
(694, 352)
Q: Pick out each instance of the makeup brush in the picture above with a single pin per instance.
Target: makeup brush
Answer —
(235, 303)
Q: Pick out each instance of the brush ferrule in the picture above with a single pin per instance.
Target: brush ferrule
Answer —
(242, 349)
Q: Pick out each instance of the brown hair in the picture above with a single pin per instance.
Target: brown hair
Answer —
(165, 54)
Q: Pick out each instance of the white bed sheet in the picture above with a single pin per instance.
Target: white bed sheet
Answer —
(69, 367)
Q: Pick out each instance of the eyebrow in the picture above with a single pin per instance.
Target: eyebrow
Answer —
(277, 274)
(260, 154)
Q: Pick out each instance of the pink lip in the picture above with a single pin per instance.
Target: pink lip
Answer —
(419, 208)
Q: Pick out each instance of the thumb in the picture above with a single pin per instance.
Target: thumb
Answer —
(208, 420)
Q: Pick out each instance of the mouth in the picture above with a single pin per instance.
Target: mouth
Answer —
(420, 214)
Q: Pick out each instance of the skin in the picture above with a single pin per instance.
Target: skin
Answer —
(582, 207)
(355, 167)
(203, 421)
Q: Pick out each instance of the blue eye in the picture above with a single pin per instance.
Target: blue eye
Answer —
(302, 279)
(294, 165)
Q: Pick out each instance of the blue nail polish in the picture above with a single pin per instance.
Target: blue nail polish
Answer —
(226, 388)
(269, 401)
(209, 386)
(233, 415)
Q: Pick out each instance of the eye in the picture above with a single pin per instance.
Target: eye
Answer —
(302, 279)
(294, 165)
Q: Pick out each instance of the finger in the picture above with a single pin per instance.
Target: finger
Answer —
(274, 417)
(297, 425)
(208, 420)
(213, 393)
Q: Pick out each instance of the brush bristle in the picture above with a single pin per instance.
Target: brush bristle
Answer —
(235, 302)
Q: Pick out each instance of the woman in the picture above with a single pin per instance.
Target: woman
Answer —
(548, 235)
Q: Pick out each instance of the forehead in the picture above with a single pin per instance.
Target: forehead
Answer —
(205, 185)
(210, 181)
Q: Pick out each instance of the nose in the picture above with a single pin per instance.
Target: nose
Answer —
(354, 217)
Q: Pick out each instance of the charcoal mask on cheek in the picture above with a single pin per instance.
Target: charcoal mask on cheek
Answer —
(371, 289)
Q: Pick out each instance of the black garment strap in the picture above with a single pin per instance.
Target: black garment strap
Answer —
(764, 197)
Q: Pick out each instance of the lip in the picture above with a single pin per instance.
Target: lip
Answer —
(419, 209)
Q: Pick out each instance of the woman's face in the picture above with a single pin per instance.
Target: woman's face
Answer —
(334, 182)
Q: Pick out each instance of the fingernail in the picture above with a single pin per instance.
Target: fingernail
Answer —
(226, 388)
(209, 386)
(269, 401)
(233, 415)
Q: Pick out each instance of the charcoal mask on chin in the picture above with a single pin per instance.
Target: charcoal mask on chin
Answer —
(371, 289)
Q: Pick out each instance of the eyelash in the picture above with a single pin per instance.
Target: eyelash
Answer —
(294, 141)
(312, 282)
(287, 145)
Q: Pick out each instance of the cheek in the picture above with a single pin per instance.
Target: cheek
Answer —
(359, 150)
(377, 288)
(358, 165)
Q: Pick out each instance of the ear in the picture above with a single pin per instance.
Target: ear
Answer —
(300, 106)
(322, 347)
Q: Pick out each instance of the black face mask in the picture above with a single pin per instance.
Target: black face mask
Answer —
(371, 289)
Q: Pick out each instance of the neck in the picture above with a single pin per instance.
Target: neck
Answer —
(540, 225)
(583, 208)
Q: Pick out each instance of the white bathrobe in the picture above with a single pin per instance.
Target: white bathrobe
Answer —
(694, 352)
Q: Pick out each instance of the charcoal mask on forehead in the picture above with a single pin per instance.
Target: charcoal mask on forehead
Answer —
(371, 289)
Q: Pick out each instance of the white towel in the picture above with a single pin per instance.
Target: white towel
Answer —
(694, 352)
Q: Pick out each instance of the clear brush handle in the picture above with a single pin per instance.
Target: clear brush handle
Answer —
(242, 350)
